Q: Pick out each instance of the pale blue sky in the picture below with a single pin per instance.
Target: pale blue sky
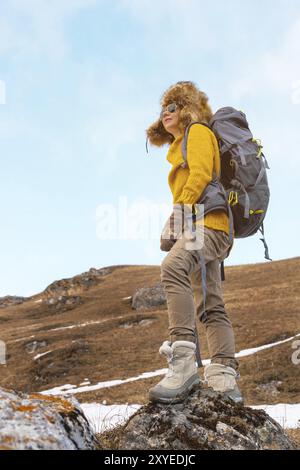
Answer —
(83, 79)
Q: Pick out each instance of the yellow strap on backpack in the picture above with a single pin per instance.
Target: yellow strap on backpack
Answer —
(258, 211)
(258, 141)
(233, 198)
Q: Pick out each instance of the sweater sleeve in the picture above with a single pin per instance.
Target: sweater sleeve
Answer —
(200, 159)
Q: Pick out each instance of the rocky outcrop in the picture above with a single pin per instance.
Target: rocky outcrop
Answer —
(205, 421)
(10, 300)
(42, 422)
(148, 298)
(63, 294)
(63, 302)
(70, 287)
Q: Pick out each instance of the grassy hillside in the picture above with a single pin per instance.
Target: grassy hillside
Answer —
(97, 335)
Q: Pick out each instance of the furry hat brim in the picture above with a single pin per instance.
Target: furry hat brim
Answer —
(157, 134)
(194, 107)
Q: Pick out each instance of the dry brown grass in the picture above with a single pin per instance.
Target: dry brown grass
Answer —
(294, 435)
(262, 300)
(109, 440)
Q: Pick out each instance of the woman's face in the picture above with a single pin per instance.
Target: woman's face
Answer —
(170, 119)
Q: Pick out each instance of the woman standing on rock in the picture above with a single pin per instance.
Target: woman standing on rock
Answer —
(183, 104)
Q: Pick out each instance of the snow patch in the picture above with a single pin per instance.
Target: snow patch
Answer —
(73, 389)
(249, 352)
(88, 323)
(41, 355)
(105, 417)
(287, 415)
(87, 382)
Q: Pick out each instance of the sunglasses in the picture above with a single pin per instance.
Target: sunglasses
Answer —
(171, 108)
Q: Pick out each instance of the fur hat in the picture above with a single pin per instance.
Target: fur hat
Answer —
(193, 105)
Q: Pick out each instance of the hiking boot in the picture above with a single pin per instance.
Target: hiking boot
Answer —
(223, 380)
(182, 373)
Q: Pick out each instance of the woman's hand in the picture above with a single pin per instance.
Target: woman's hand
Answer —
(175, 225)
(168, 236)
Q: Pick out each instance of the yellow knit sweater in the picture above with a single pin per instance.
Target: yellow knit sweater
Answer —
(187, 184)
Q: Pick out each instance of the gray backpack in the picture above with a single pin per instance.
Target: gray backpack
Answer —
(242, 189)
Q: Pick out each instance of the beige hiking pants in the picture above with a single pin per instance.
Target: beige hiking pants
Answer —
(181, 280)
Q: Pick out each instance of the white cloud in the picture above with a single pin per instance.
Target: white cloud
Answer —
(36, 27)
(174, 28)
(274, 70)
(274, 76)
(152, 11)
(117, 109)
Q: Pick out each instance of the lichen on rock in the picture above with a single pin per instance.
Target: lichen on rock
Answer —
(33, 422)
(205, 420)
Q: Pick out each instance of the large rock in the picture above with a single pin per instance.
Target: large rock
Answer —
(204, 420)
(149, 297)
(42, 422)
